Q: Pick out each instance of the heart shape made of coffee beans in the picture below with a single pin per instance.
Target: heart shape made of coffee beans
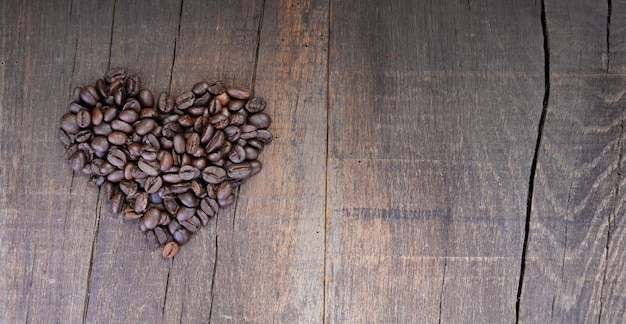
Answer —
(168, 165)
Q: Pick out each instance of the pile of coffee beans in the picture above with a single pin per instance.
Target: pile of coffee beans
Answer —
(167, 164)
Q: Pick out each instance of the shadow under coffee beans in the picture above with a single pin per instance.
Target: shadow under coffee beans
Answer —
(168, 163)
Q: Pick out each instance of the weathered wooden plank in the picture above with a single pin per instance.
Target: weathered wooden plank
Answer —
(270, 265)
(129, 281)
(575, 252)
(216, 41)
(433, 108)
(47, 214)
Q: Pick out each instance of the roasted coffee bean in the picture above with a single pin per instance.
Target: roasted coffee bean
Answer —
(89, 95)
(232, 133)
(161, 235)
(200, 88)
(226, 202)
(151, 168)
(146, 99)
(264, 135)
(236, 105)
(215, 106)
(216, 142)
(238, 92)
(202, 101)
(171, 206)
(102, 88)
(209, 206)
(204, 218)
(216, 88)
(96, 116)
(129, 116)
(116, 176)
(153, 184)
(255, 105)
(170, 249)
(184, 213)
(192, 143)
(122, 126)
(219, 121)
(148, 153)
(237, 154)
(117, 202)
(166, 160)
(69, 124)
(196, 188)
(141, 202)
(188, 172)
(84, 136)
(213, 174)
(133, 85)
(255, 167)
(207, 134)
(171, 177)
(224, 190)
(237, 119)
(110, 113)
(128, 187)
(181, 236)
(83, 118)
(186, 121)
(132, 104)
(188, 199)
(238, 170)
(185, 100)
(117, 138)
(65, 138)
(115, 74)
(192, 224)
(120, 96)
(223, 98)
(248, 131)
(260, 120)
(78, 160)
(117, 158)
(150, 218)
(251, 153)
(106, 168)
(76, 107)
(179, 188)
(109, 190)
(164, 218)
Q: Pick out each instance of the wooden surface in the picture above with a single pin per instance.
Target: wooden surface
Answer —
(433, 162)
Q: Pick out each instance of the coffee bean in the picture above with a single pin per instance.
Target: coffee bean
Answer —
(204, 218)
(200, 88)
(117, 138)
(224, 190)
(213, 174)
(188, 172)
(255, 105)
(69, 124)
(264, 135)
(150, 218)
(110, 113)
(223, 98)
(238, 92)
(184, 213)
(128, 187)
(133, 85)
(65, 138)
(161, 235)
(216, 142)
(170, 249)
(89, 95)
(117, 201)
(83, 118)
(117, 158)
(188, 199)
(129, 116)
(120, 96)
(115, 74)
(219, 121)
(216, 88)
(78, 160)
(153, 184)
(238, 170)
(151, 168)
(181, 236)
(146, 98)
(260, 120)
(227, 201)
(141, 203)
(116, 176)
(209, 206)
(185, 100)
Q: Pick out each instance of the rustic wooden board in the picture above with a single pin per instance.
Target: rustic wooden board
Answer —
(433, 114)
(47, 214)
(574, 267)
(270, 265)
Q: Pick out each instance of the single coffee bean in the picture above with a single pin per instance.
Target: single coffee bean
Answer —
(238, 92)
(248, 131)
(226, 202)
(161, 235)
(166, 160)
(133, 85)
(200, 88)
(255, 105)
(69, 124)
(129, 116)
(120, 96)
(238, 170)
(219, 121)
(132, 104)
(78, 160)
(185, 100)
(84, 136)
(109, 190)
(213, 174)
(83, 118)
(115, 74)
(148, 153)
(204, 218)
(165, 103)
(146, 98)
(117, 138)
(65, 138)
(192, 143)
(181, 236)
(196, 188)
(260, 120)
(237, 119)
(89, 96)
(179, 188)
(153, 184)
(216, 142)
(152, 140)
(128, 187)
(151, 168)
(170, 249)
(186, 121)
(255, 167)
(188, 172)
(264, 135)
(117, 202)
(207, 134)
(217, 88)
(188, 199)
(116, 176)
(215, 106)
(134, 151)
(224, 190)
(106, 168)
(102, 88)
(236, 105)
(237, 154)
(251, 153)
(96, 116)
(184, 213)
(171, 177)
(203, 100)
(110, 113)
(117, 158)
(190, 225)
(122, 126)
(223, 98)
(150, 218)
(141, 203)
(232, 133)
(179, 144)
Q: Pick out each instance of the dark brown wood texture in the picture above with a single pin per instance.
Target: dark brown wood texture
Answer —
(410, 137)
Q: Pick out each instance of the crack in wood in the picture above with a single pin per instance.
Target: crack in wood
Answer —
(533, 167)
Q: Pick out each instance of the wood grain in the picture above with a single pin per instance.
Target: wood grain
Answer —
(575, 239)
(270, 265)
(433, 109)
(46, 234)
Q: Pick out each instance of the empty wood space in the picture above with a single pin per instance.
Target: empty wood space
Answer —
(433, 162)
